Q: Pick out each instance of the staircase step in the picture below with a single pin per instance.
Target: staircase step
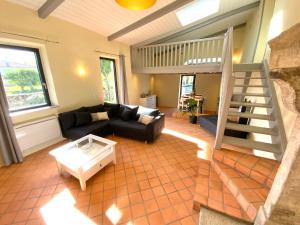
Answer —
(211, 217)
(252, 67)
(249, 85)
(260, 169)
(251, 115)
(274, 148)
(262, 105)
(211, 193)
(252, 129)
(249, 194)
(252, 94)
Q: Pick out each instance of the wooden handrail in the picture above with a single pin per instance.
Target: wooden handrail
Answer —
(183, 42)
(227, 84)
(179, 54)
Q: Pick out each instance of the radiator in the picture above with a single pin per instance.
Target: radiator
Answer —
(38, 132)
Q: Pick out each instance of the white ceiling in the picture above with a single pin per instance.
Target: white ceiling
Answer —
(106, 17)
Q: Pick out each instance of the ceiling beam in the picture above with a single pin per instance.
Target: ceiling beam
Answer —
(184, 30)
(147, 19)
(48, 7)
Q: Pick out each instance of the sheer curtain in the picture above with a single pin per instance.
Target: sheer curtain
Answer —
(123, 82)
(9, 148)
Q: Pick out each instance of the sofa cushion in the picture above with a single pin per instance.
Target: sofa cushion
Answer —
(82, 118)
(145, 119)
(100, 128)
(126, 114)
(112, 109)
(128, 128)
(95, 108)
(99, 116)
(67, 120)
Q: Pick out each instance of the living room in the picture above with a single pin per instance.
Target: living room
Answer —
(91, 64)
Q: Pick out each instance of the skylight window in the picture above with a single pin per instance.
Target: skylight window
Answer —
(197, 10)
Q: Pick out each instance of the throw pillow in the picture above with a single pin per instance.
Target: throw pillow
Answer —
(82, 118)
(126, 114)
(112, 109)
(145, 119)
(99, 116)
(67, 120)
(134, 113)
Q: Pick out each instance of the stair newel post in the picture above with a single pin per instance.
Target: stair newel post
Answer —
(227, 84)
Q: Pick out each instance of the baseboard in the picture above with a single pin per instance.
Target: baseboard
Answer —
(42, 146)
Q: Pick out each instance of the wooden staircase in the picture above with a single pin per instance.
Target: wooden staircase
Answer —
(255, 92)
(249, 87)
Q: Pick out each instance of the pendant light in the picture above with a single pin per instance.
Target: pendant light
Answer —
(136, 4)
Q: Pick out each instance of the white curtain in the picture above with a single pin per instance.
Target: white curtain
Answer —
(123, 98)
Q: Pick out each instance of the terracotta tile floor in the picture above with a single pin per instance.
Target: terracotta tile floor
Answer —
(150, 184)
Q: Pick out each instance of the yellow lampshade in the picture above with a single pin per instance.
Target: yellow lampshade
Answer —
(136, 4)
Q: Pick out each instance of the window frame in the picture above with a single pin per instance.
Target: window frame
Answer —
(186, 75)
(36, 51)
(115, 75)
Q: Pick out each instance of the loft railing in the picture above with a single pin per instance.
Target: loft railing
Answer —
(179, 55)
(227, 84)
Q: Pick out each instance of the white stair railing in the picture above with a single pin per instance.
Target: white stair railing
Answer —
(179, 54)
(227, 85)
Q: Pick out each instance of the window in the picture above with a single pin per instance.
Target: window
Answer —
(109, 80)
(197, 10)
(187, 84)
(23, 78)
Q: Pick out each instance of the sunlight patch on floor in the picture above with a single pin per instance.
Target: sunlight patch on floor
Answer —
(113, 214)
(203, 152)
(61, 211)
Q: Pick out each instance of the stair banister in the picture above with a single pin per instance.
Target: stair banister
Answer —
(227, 83)
(276, 111)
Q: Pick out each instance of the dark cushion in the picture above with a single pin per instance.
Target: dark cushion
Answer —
(126, 114)
(134, 113)
(82, 118)
(95, 109)
(67, 120)
(100, 128)
(111, 109)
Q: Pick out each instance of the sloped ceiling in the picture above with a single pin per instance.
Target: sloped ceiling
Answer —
(106, 17)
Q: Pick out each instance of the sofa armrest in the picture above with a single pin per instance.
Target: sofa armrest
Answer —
(155, 128)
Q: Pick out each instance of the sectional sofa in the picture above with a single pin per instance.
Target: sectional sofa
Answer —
(74, 129)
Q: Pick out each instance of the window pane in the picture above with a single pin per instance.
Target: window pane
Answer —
(21, 78)
(108, 74)
(187, 84)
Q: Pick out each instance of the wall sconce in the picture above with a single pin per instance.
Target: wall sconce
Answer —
(237, 55)
(81, 72)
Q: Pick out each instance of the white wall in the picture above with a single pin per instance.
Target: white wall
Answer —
(166, 87)
(76, 49)
(61, 61)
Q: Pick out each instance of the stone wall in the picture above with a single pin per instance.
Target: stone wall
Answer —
(285, 59)
(282, 204)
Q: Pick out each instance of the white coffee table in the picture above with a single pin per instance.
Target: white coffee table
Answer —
(84, 157)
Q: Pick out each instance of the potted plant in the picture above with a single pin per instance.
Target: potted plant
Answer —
(192, 108)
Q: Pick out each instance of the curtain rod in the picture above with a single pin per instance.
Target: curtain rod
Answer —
(26, 36)
(107, 53)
